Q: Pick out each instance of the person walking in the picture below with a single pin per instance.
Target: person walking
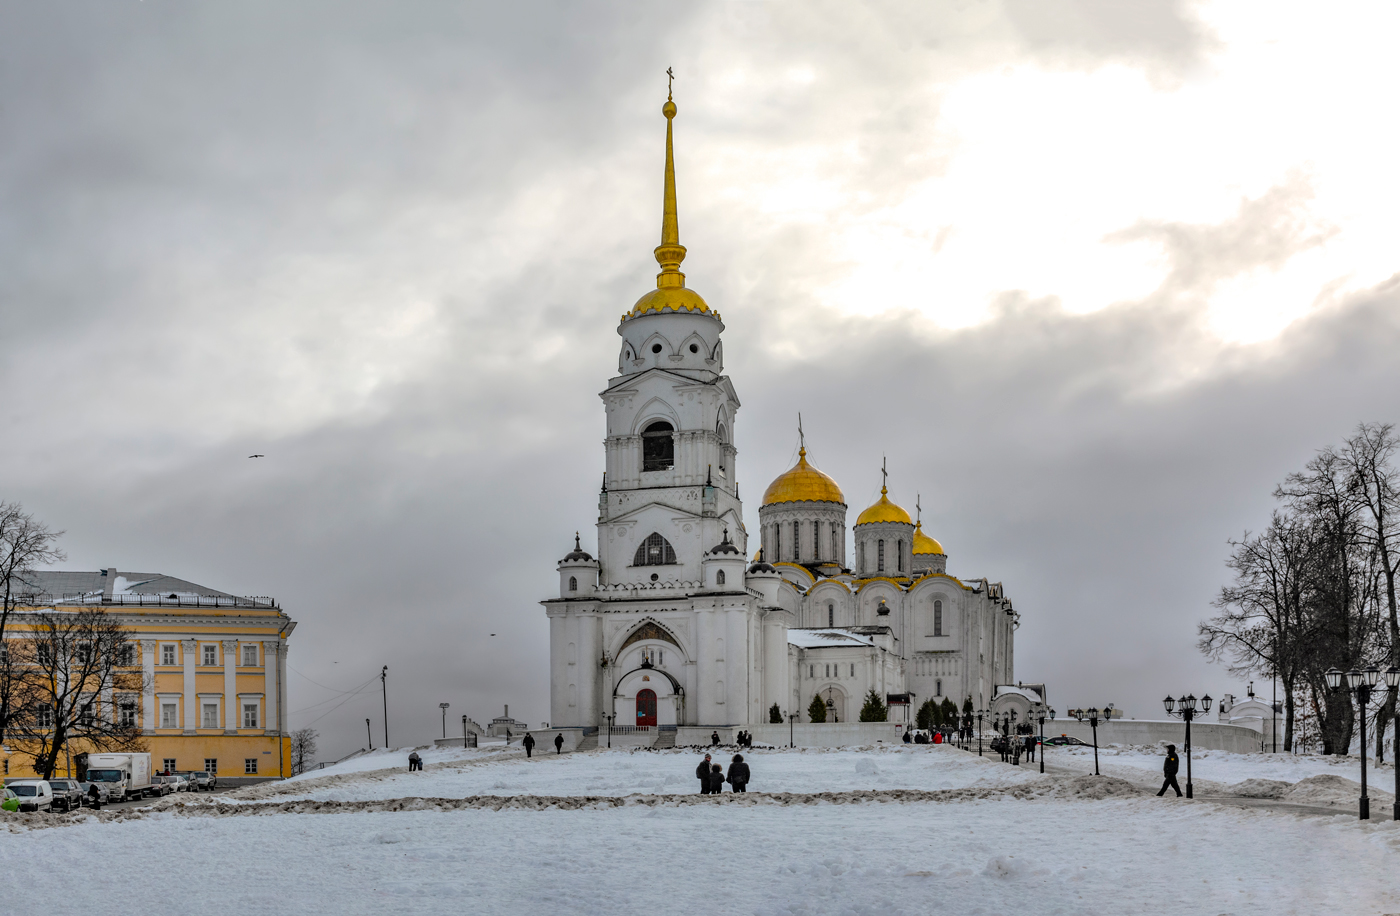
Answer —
(528, 744)
(1169, 768)
(559, 743)
(714, 739)
(716, 779)
(738, 773)
(702, 773)
(908, 736)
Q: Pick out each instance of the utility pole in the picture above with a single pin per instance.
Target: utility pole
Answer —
(443, 707)
(370, 734)
(384, 685)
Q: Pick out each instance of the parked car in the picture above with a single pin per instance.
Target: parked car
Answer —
(182, 782)
(10, 802)
(66, 794)
(162, 785)
(203, 780)
(1065, 741)
(104, 794)
(34, 794)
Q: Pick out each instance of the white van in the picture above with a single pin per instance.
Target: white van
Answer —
(34, 794)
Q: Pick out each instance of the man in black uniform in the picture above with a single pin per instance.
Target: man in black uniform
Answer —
(1169, 768)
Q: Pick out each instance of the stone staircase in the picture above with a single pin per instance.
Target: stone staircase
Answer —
(667, 738)
(588, 743)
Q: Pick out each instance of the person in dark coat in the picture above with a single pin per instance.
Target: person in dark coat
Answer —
(702, 773)
(95, 794)
(528, 743)
(714, 739)
(1169, 768)
(414, 762)
(716, 779)
(738, 773)
(908, 737)
(559, 744)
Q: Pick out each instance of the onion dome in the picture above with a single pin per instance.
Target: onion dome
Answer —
(578, 553)
(761, 567)
(884, 609)
(803, 483)
(923, 544)
(884, 511)
(670, 294)
(725, 546)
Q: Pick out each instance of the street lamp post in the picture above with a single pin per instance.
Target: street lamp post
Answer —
(464, 730)
(1187, 712)
(1392, 683)
(1360, 683)
(1093, 716)
(966, 730)
(443, 707)
(384, 685)
(791, 717)
(980, 714)
(610, 722)
(1042, 712)
(370, 734)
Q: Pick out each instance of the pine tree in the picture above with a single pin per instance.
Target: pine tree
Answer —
(775, 715)
(817, 711)
(967, 705)
(874, 709)
(925, 717)
(949, 710)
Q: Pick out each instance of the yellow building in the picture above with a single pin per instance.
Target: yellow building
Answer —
(213, 669)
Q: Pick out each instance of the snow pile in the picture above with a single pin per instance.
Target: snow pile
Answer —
(1221, 767)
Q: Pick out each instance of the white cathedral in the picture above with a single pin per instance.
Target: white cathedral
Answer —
(672, 627)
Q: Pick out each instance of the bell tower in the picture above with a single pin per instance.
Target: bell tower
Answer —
(669, 491)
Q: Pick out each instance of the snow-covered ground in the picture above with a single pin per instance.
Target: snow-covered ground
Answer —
(1145, 763)
(1008, 841)
(501, 771)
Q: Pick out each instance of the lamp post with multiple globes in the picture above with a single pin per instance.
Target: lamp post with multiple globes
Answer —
(1185, 710)
(1093, 716)
(1041, 712)
(980, 714)
(1361, 683)
(443, 707)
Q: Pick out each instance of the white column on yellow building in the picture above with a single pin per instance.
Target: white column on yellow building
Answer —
(230, 687)
(191, 701)
(272, 722)
(148, 681)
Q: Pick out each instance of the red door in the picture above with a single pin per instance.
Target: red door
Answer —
(646, 707)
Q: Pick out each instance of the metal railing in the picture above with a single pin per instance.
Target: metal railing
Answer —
(146, 600)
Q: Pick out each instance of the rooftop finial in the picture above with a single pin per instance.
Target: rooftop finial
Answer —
(577, 546)
(918, 510)
(801, 439)
(670, 253)
(884, 478)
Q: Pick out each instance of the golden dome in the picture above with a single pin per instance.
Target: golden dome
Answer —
(674, 299)
(884, 511)
(803, 483)
(925, 544)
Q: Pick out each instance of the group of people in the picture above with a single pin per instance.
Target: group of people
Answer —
(934, 736)
(712, 776)
(529, 744)
(743, 739)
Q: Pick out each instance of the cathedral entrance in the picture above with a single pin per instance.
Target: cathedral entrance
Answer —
(646, 707)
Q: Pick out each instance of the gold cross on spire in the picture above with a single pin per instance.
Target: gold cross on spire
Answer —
(669, 76)
(918, 509)
(884, 478)
(801, 439)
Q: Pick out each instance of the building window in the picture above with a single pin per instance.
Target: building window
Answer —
(168, 765)
(211, 716)
(167, 654)
(211, 654)
(250, 715)
(938, 618)
(126, 714)
(169, 715)
(654, 551)
(250, 656)
(44, 652)
(573, 583)
(658, 447)
(853, 669)
(43, 716)
(126, 655)
(900, 561)
(831, 614)
(83, 653)
(250, 766)
(719, 577)
(797, 542)
(860, 557)
(211, 765)
(880, 556)
(811, 671)
(938, 688)
(816, 542)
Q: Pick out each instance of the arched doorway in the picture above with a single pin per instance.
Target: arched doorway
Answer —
(835, 701)
(646, 707)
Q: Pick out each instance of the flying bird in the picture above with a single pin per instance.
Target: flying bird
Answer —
(257, 456)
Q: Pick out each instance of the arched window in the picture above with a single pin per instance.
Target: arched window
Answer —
(719, 577)
(938, 618)
(831, 614)
(658, 447)
(816, 542)
(573, 583)
(938, 688)
(860, 557)
(655, 551)
(797, 542)
(777, 542)
(880, 556)
(900, 561)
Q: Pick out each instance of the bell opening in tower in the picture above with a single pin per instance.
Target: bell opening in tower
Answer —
(658, 447)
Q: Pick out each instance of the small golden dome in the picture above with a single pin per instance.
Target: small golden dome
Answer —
(884, 511)
(925, 544)
(803, 483)
(673, 298)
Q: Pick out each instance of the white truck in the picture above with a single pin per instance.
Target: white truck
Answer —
(125, 775)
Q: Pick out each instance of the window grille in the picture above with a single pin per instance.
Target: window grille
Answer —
(831, 614)
(900, 561)
(816, 542)
(250, 766)
(658, 447)
(211, 765)
(938, 618)
(880, 556)
(719, 577)
(797, 542)
(655, 551)
(168, 764)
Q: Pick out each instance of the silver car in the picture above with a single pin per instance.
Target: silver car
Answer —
(66, 794)
(103, 795)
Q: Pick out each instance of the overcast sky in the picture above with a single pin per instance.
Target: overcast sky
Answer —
(1093, 275)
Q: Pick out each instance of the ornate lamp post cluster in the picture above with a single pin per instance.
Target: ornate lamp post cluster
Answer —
(1185, 710)
(1361, 683)
(981, 714)
(1093, 716)
(1039, 712)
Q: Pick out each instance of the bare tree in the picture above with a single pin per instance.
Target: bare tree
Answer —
(80, 679)
(24, 545)
(303, 749)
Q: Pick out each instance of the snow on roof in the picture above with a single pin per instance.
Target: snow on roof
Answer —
(826, 638)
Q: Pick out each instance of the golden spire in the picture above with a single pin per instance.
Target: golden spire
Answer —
(670, 253)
